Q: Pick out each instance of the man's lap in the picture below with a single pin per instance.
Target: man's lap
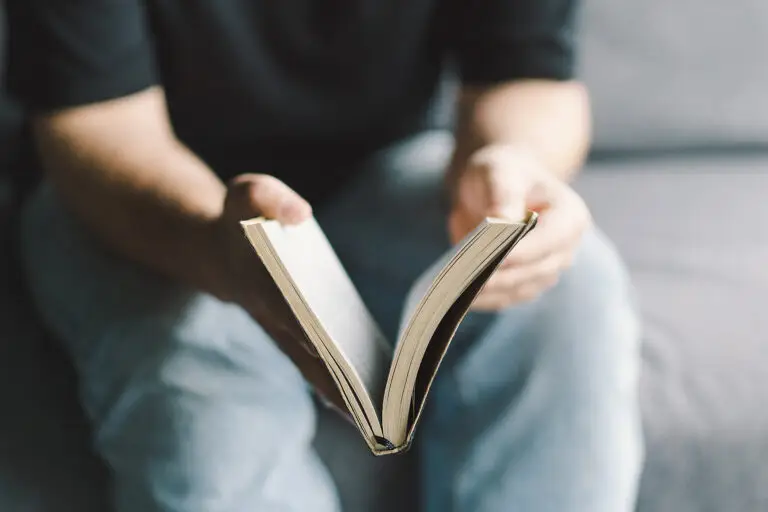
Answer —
(129, 329)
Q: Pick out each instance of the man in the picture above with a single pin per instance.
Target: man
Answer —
(161, 124)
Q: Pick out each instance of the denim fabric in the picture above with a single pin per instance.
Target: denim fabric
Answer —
(196, 410)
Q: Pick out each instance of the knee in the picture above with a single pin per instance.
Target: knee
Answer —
(598, 274)
(593, 326)
(597, 293)
(193, 394)
(585, 329)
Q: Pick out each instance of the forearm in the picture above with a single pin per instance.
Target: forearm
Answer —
(134, 185)
(550, 118)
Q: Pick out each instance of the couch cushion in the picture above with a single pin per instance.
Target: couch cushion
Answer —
(674, 73)
(694, 233)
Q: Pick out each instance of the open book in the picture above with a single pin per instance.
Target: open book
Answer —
(383, 392)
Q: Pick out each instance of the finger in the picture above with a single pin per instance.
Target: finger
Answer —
(559, 229)
(497, 300)
(485, 192)
(490, 302)
(549, 236)
(460, 225)
(259, 194)
(491, 186)
(546, 270)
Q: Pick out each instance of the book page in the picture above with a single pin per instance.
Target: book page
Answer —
(327, 289)
(422, 285)
(426, 280)
(446, 329)
(439, 300)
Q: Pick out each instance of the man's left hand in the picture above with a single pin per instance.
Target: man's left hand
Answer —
(506, 181)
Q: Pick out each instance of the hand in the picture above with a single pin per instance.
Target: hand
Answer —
(504, 181)
(245, 280)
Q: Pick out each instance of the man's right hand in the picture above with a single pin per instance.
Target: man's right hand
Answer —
(118, 166)
(244, 279)
(249, 196)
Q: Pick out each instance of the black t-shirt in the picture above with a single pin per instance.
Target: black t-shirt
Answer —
(15, 146)
(273, 85)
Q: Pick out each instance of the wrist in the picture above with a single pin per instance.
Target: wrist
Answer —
(213, 266)
(551, 118)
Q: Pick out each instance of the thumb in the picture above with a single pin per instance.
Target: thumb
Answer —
(253, 195)
(491, 188)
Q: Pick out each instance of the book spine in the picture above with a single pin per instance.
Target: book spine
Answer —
(385, 443)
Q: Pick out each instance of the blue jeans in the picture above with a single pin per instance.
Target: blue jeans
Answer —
(196, 410)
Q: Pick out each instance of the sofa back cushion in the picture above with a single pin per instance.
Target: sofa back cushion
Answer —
(670, 74)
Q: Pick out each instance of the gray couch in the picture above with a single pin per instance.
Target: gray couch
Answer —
(679, 179)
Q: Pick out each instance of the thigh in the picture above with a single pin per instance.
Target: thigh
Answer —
(542, 396)
(579, 340)
(193, 406)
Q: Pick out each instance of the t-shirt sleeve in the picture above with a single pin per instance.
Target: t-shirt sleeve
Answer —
(498, 40)
(64, 53)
